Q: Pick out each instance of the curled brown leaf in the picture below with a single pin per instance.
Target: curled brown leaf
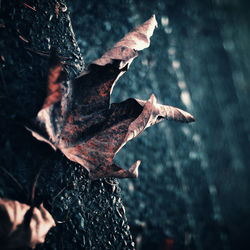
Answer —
(78, 119)
(13, 231)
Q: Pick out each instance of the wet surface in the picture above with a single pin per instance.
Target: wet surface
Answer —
(193, 188)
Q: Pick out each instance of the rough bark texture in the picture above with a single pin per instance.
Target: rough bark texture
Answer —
(88, 214)
(193, 189)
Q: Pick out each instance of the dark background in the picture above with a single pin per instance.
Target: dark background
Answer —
(193, 186)
(193, 190)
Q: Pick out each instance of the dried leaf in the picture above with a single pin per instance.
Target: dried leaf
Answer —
(77, 117)
(14, 233)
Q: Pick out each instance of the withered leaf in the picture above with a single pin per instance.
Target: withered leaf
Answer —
(78, 119)
(14, 232)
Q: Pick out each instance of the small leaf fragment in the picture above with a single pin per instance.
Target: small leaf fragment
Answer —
(13, 232)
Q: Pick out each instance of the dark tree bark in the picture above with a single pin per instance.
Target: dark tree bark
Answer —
(193, 189)
(88, 214)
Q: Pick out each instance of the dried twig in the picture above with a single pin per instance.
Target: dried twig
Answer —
(34, 187)
(54, 198)
(22, 38)
(46, 54)
(28, 6)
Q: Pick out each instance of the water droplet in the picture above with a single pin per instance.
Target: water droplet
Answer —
(107, 26)
(176, 64)
(182, 85)
(171, 51)
(186, 131)
(196, 138)
(212, 190)
(164, 21)
(168, 30)
(185, 97)
(131, 187)
(193, 155)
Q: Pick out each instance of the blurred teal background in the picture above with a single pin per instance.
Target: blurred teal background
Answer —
(193, 191)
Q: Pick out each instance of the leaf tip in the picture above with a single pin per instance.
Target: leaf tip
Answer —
(153, 18)
(152, 98)
(186, 117)
(191, 118)
(134, 169)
